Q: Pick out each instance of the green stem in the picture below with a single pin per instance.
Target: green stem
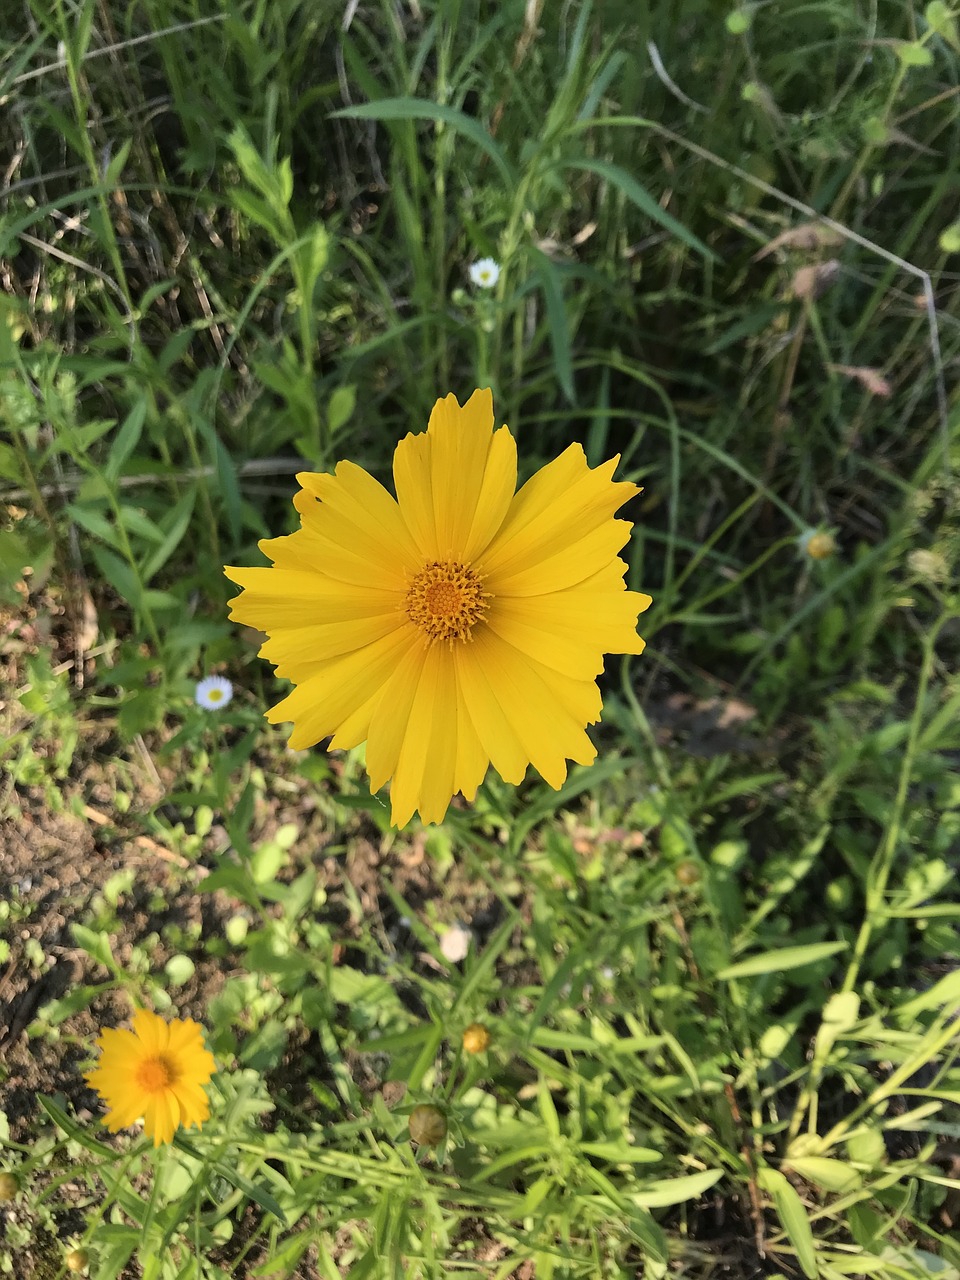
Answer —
(882, 865)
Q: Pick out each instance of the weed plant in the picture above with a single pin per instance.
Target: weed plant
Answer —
(718, 970)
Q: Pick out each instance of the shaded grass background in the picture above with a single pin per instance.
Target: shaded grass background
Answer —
(235, 241)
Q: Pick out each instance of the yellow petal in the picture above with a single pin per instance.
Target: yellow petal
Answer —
(494, 729)
(567, 568)
(277, 598)
(337, 550)
(299, 652)
(455, 481)
(193, 1102)
(151, 1030)
(559, 507)
(388, 724)
(159, 1119)
(472, 760)
(513, 706)
(571, 630)
(323, 701)
(423, 778)
(360, 506)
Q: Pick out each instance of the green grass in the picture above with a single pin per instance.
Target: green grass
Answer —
(721, 981)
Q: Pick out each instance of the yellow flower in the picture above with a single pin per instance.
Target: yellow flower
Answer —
(156, 1071)
(476, 1038)
(458, 625)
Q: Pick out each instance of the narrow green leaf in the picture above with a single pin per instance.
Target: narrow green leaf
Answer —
(670, 1191)
(78, 1132)
(93, 521)
(420, 109)
(793, 1217)
(126, 441)
(173, 526)
(780, 960)
(119, 575)
(641, 197)
(140, 525)
(549, 278)
(826, 1173)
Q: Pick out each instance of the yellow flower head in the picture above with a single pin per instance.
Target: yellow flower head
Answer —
(457, 625)
(157, 1072)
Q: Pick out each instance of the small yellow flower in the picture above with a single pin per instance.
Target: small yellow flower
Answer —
(458, 625)
(157, 1072)
(476, 1038)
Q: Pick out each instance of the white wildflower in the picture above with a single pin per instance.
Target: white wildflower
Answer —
(485, 273)
(213, 693)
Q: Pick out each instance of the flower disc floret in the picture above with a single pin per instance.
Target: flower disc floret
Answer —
(369, 604)
(445, 600)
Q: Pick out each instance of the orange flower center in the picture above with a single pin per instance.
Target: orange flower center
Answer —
(445, 600)
(153, 1075)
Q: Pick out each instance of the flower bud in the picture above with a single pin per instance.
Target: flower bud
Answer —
(9, 1186)
(476, 1038)
(688, 872)
(817, 544)
(77, 1260)
(428, 1125)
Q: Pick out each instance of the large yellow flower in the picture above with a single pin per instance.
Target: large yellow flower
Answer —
(157, 1072)
(461, 623)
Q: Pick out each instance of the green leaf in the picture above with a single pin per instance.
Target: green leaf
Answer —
(173, 526)
(341, 407)
(793, 1217)
(941, 19)
(127, 439)
(823, 1172)
(94, 522)
(78, 1132)
(946, 991)
(840, 1014)
(253, 1192)
(671, 1191)
(140, 525)
(10, 464)
(914, 54)
(96, 945)
(119, 575)
(420, 109)
(313, 258)
(549, 278)
(641, 197)
(781, 960)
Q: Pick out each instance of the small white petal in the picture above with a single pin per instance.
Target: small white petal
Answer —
(485, 273)
(455, 943)
(213, 693)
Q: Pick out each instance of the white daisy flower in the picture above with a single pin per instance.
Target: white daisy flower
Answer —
(455, 943)
(213, 693)
(485, 273)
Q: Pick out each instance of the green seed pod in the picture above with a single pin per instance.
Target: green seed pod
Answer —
(9, 1186)
(428, 1125)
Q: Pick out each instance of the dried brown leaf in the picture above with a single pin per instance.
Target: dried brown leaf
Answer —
(810, 283)
(807, 236)
(871, 380)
